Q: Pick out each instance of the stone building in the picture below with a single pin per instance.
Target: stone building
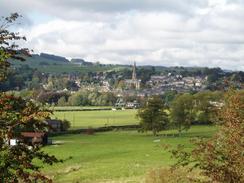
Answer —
(133, 82)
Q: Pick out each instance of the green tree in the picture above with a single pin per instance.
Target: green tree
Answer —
(79, 98)
(62, 101)
(153, 116)
(169, 96)
(204, 105)
(182, 112)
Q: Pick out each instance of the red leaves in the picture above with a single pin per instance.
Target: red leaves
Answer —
(221, 157)
(17, 115)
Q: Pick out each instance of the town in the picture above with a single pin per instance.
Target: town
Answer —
(121, 91)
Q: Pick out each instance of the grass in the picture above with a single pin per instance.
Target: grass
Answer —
(121, 156)
(84, 119)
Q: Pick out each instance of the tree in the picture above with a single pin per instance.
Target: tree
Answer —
(8, 47)
(153, 116)
(62, 101)
(16, 162)
(205, 110)
(182, 113)
(169, 96)
(75, 99)
(17, 115)
(220, 158)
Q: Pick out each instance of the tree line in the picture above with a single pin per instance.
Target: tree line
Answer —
(181, 112)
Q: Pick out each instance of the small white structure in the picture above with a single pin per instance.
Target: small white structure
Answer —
(13, 142)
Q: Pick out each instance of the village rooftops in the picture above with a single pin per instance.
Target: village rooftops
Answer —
(33, 134)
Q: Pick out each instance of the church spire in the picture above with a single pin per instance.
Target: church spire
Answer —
(134, 71)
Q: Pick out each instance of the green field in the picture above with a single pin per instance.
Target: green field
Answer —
(121, 156)
(85, 119)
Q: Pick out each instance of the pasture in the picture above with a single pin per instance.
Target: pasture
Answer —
(117, 156)
(85, 119)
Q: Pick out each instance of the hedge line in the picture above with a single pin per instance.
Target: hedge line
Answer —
(67, 110)
(99, 129)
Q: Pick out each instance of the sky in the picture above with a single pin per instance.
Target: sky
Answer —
(151, 32)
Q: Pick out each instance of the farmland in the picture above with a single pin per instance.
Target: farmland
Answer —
(121, 156)
(85, 119)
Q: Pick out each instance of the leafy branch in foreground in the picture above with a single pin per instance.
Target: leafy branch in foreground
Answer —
(17, 161)
(220, 158)
(8, 47)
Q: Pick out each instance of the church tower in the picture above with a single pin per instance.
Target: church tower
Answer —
(134, 72)
(133, 83)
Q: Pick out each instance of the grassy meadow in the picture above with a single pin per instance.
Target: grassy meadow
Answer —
(117, 156)
(85, 119)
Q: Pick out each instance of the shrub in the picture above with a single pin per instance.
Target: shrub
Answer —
(220, 158)
(65, 125)
(90, 131)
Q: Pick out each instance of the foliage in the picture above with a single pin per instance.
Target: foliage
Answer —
(221, 157)
(182, 112)
(62, 101)
(205, 104)
(19, 78)
(153, 116)
(51, 97)
(169, 96)
(65, 125)
(18, 115)
(94, 98)
(8, 47)
(16, 162)
(78, 99)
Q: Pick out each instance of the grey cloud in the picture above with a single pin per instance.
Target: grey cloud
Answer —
(74, 9)
(127, 5)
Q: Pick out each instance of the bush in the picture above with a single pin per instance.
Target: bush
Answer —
(90, 131)
(65, 125)
(62, 101)
(220, 158)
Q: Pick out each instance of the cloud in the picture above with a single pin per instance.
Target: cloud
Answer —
(104, 6)
(157, 32)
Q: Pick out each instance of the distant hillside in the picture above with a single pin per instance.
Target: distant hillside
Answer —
(54, 64)
(53, 58)
(80, 62)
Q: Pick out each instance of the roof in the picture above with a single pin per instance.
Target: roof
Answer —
(33, 134)
(53, 121)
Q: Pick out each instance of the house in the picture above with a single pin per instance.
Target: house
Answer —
(35, 138)
(132, 105)
(119, 103)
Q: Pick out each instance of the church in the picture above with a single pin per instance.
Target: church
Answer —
(133, 82)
